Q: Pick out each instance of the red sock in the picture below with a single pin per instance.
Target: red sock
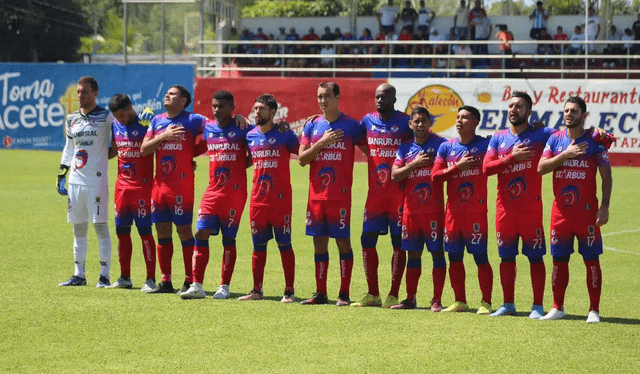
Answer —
(322, 268)
(187, 257)
(538, 279)
(485, 278)
(289, 267)
(200, 260)
(370, 260)
(125, 247)
(559, 283)
(594, 284)
(148, 244)
(258, 262)
(439, 276)
(457, 276)
(413, 277)
(229, 255)
(165, 254)
(398, 262)
(346, 269)
(508, 280)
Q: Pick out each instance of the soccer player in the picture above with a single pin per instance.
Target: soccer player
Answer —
(328, 146)
(423, 211)
(132, 195)
(270, 203)
(575, 158)
(386, 128)
(513, 155)
(459, 162)
(88, 136)
(223, 202)
(172, 136)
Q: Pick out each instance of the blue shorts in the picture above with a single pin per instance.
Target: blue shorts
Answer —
(511, 226)
(465, 230)
(132, 204)
(328, 218)
(383, 214)
(269, 221)
(172, 204)
(564, 228)
(421, 229)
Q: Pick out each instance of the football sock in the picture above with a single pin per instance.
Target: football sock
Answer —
(594, 283)
(559, 282)
(165, 254)
(148, 245)
(104, 247)
(439, 275)
(485, 278)
(125, 247)
(200, 260)
(258, 261)
(187, 257)
(288, 265)
(80, 243)
(457, 276)
(370, 261)
(229, 254)
(322, 268)
(414, 270)
(398, 261)
(538, 279)
(508, 271)
(346, 269)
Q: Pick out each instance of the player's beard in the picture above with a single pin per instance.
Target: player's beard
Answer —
(573, 125)
(261, 121)
(519, 122)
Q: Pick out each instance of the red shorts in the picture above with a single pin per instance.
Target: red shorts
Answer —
(465, 230)
(421, 229)
(328, 218)
(130, 204)
(221, 214)
(383, 214)
(524, 225)
(564, 228)
(172, 204)
(269, 221)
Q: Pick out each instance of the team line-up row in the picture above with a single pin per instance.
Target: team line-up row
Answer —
(408, 166)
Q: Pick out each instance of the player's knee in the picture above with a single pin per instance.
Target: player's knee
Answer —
(368, 240)
(508, 259)
(456, 256)
(228, 242)
(144, 230)
(184, 232)
(480, 258)
(561, 258)
(396, 241)
(535, 260)
(439, 262)
(285, 247)
(123, 230)
(102, 230)
(344, 245)
(80, 230)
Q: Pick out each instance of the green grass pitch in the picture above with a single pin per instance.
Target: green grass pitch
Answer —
(49, 329)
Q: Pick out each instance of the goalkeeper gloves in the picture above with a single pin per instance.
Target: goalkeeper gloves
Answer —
(146, 116)
(62, 180)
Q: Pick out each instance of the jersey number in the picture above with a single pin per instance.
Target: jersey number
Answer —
(475, 238)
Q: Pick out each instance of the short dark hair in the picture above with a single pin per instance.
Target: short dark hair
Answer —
(524, 96)
(539, 3)
(90, 81)
(330, 84)
(223, 96)
(118, 102)
(421, 110)
(577, 100)
(183, 93)
(268, 100)
(471, 109)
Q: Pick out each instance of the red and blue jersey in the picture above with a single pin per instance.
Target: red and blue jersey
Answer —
(134, 170)
(384, 137)
(227, 151)
(466, 189)
(574, 182)
(271, 173)
(173, 157)
(519, 183)
(421, 194)
(331, 172)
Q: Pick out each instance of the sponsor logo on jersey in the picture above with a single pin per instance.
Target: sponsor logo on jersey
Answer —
(127, 171)
(222, 176)
(327, 176)
(265, 185)
(569, 196)
(81, 158)
(167, 165)
(423, 191)
(465, 191)
(383, 174)
(516, 187)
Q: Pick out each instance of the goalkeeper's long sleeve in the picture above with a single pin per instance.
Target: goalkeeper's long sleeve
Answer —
(67, 152)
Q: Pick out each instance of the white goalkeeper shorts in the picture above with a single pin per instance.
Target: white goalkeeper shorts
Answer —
(88, 203)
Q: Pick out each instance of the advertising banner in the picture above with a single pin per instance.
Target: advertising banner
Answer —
(36, 98)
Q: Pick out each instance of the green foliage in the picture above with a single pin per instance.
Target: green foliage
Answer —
(307, 8)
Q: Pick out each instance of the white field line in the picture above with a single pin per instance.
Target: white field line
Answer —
(618, 233)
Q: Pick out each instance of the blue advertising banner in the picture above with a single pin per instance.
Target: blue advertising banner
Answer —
(36, 98)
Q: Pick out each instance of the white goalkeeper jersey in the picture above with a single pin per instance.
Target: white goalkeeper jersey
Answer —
(87, 149)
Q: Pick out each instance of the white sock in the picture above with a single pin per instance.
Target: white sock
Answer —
(104, 244)
(80, 248)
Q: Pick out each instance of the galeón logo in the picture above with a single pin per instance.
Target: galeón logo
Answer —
(441, 101)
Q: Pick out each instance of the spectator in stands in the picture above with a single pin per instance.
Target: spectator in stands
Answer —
(628, 36)
(408, 17)
(404, 49)
(438, 49)
(245, 47)
(311, 37)
(483, 29)
(292, 36)
(592, 29)
(456, 63)
(272, 49)
(348, 48)
(539, 17)
(636, 33)
(476, 12)
(367, 48)
(282, 36)
(337, 33)
(576, 48)
(425, 17)
(327, 36)
(461, 21)
(545, 47)
(420, 49)
(259, 48)
(613, 49)
(559, 48)
(233, 35)
(327, 49)
(387, 17)
(505, 36)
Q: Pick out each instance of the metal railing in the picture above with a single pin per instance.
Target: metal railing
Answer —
(216, 63)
